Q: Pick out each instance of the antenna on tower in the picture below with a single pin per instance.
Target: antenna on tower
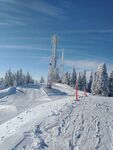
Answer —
(62, 64)
(53, 71)
(55, 74)
(54, 42)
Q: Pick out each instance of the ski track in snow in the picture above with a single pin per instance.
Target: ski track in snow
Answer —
(63, 124)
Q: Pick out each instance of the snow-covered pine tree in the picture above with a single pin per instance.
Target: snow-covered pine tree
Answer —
(2, 83)
(73, 78)
(28, 78)
(111, 84)
(100, 82)
(80, 81)
(69, 79)
(23, 79)
(66, 78)
(9, 78)
(42, 79)
(84, 81)
(19, 77)
(89, 85)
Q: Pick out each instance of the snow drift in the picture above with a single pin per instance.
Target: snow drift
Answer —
(8, 91)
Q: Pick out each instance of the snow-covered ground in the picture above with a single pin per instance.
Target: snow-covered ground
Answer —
(57, 122)
(7, 112)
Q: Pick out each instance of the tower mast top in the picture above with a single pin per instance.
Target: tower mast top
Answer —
(54, 42)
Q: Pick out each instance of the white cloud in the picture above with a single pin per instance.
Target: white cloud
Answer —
(4, 23)
(89, 65)
(47, 9)
(40, 6)
(21, 47)
(90, 31)
(82, 64)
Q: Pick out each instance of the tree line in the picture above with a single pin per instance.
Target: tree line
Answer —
(99, 83)
(17, 78)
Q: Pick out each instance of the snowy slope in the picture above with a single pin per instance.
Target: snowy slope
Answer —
(61, 124)
(25, 121)
(7, 112)
(84, 125)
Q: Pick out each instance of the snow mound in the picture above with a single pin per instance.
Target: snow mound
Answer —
(8, 91)
(7, 112)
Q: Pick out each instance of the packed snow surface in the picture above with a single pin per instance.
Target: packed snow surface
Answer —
(7, 112)
(60, 123)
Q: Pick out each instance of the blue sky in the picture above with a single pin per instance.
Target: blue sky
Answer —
(84, 29)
